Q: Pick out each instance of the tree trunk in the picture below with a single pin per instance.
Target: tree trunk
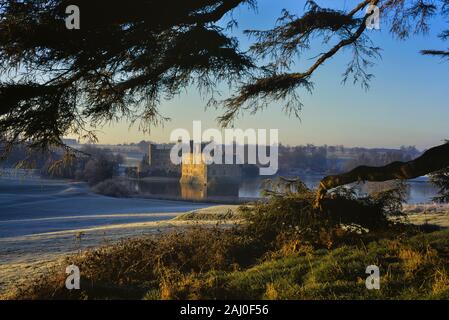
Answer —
(432, 160)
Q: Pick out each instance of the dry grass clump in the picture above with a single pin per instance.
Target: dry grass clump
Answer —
(118, 188)
(129, 268)
(440, 284)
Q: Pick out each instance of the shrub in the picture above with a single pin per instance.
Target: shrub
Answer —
(441, 180)
(289, 213)
(114, 188)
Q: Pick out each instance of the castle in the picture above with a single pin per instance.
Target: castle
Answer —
(195, 170)
(159, 159)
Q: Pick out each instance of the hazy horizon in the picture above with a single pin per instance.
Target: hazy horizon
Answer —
(280, 142)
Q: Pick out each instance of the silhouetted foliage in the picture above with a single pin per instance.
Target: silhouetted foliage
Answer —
(444, 35)
(123, 60)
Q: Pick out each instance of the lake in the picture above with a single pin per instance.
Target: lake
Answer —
(419, 190)
(31, 205)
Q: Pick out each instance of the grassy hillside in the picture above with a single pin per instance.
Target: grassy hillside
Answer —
(413, 269)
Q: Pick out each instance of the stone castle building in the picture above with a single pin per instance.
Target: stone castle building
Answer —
(159, 159)
(196, 170)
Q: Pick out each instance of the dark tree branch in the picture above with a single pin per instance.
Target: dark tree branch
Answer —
(439, 53)
(118, 65)
(278, 86)
(434, 159)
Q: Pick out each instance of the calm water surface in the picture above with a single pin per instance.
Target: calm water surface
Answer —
(419, 190)
(33, 205)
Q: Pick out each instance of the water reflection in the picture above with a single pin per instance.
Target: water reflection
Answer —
(419, 190)
(176, 190)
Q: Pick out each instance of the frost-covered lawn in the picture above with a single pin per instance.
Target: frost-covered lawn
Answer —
(30, 206)
(43, 219)
(22, 257)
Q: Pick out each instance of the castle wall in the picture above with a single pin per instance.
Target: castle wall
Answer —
(193, 172)
(159, 159)
(224, 173)
(197, 172)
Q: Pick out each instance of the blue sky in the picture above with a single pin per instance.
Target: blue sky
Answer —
(406, 104)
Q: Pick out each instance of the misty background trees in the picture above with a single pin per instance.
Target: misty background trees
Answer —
(94, 167)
